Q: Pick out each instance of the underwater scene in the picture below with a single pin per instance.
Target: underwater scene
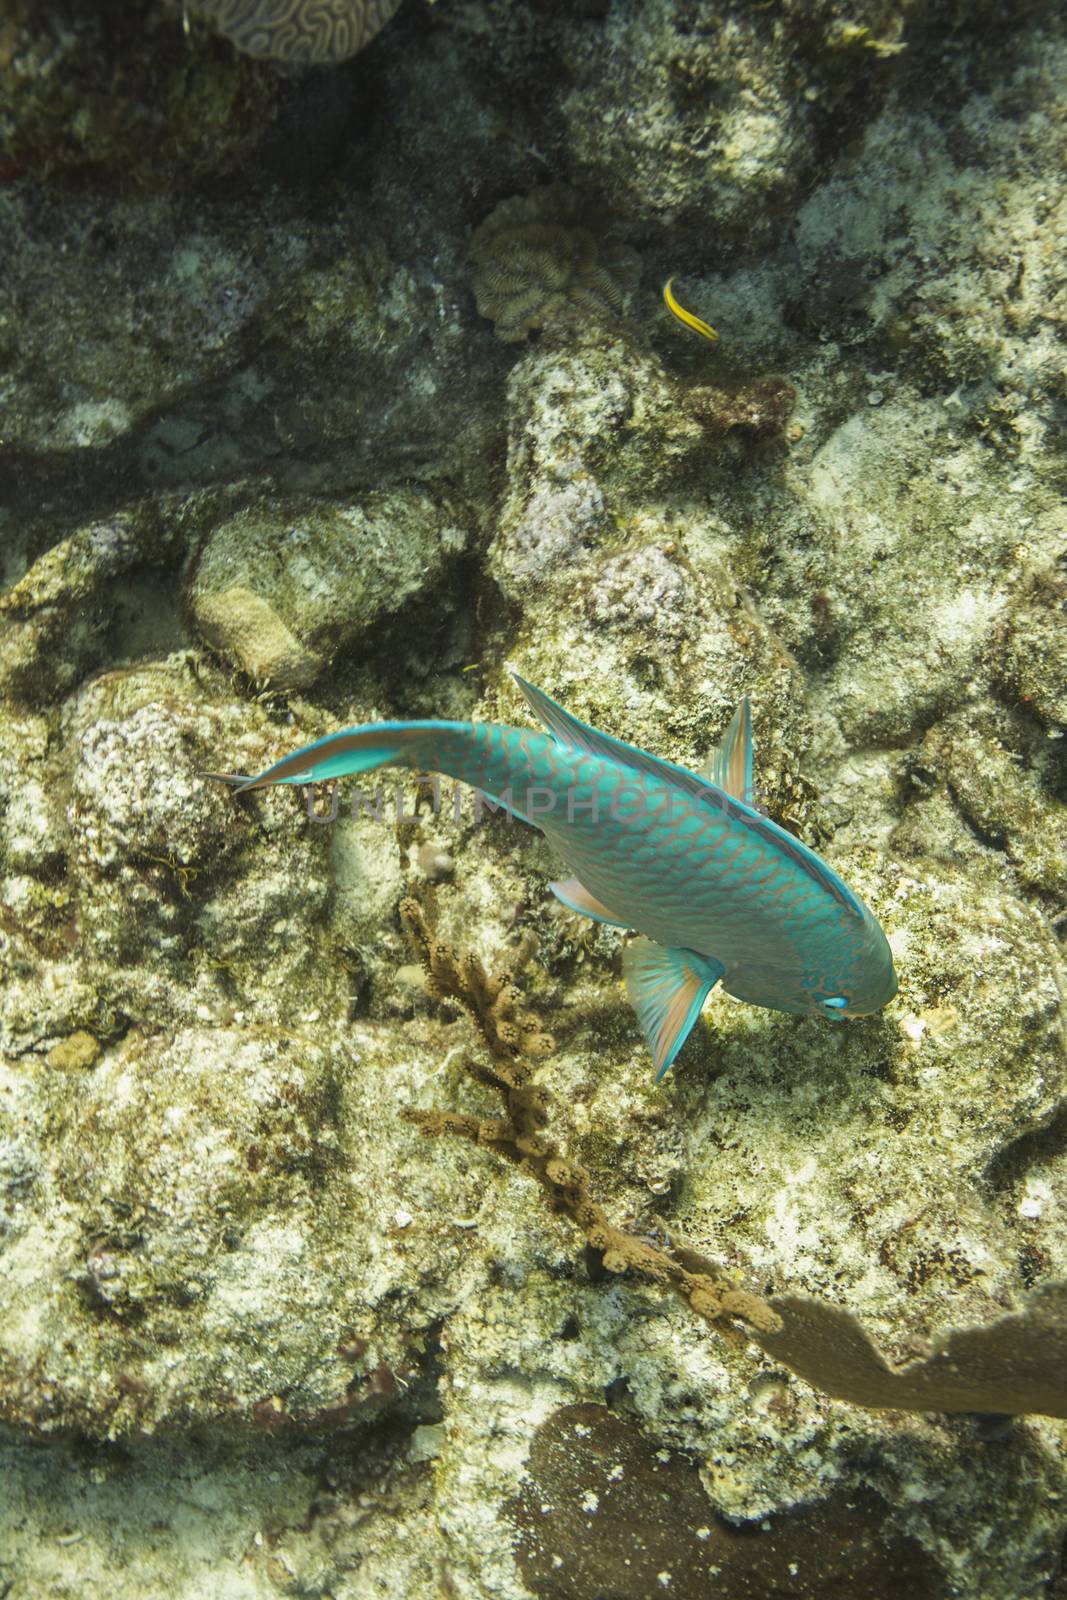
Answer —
(533, 799)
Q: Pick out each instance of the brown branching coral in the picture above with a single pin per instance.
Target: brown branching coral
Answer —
(521, 1137)
(512, 1034)
(537, 264)
(494, 1000)
(303, 31)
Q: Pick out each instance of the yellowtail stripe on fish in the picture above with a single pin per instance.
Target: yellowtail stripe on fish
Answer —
(687, 317)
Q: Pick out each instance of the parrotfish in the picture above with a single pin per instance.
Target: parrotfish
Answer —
(717, 891)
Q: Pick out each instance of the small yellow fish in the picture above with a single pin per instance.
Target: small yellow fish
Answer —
(686, 316)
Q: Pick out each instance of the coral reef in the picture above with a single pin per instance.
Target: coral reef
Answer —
(711, 122)
(602, 1507)
(119, 87)
(493, 1000)
(522, 1138)
(993, 771)
(55, 622)
(1016, 1364)
(266, 471)
(1032, 668)
(264, 592)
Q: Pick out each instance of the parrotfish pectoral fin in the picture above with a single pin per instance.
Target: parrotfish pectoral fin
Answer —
(577, 898)
(730, 765)
(667, 988)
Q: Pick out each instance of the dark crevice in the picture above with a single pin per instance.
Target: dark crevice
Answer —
(1008, 1166)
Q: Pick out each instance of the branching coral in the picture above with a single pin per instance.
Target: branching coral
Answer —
(538, 265)
(305, 31)
(494, 1000)
(510, 1034)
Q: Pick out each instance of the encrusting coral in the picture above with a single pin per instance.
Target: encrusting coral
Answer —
(305, 31)
(538, 265)
(510, 1033)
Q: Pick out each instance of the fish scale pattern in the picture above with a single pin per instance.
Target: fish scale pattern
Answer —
(718, 891)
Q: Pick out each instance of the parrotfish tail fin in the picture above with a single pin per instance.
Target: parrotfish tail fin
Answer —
(667, 988)
(354, 750)
(576, 897)
(237, 780)
(730, 765)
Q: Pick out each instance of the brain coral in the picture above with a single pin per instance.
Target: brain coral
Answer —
(536, 265)
(299, 30)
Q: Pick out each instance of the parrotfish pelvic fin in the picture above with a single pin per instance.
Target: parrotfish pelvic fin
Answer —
(576, 897)
(729, 766)
(667, 988)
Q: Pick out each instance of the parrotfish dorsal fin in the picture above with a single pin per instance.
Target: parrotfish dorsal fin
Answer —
(667, 989)
(729, 766)
(579, 735)
(576, 897)
(565, 727)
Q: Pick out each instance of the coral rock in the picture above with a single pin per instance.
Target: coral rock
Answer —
(310, 32)
(538, 265)
(282, 591)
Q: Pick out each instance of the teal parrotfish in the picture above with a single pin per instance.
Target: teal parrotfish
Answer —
(717, 892)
